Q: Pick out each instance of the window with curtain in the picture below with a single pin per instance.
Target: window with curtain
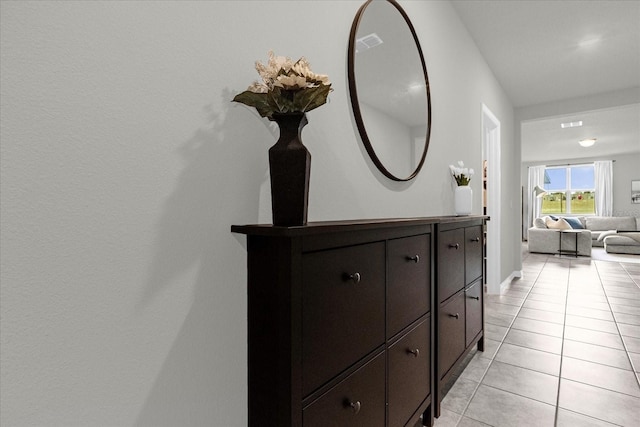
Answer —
(570, 190)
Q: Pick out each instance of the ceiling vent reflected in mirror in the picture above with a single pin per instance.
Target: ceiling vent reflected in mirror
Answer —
(367, 42)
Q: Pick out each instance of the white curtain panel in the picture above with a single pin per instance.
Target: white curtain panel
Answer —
(536, 177)
(604, 187)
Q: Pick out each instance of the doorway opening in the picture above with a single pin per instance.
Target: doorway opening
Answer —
(491, 197)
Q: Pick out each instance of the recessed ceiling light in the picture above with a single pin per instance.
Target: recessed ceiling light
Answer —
(571, 124)
(415, 88)
(587, 142)
(589, 42)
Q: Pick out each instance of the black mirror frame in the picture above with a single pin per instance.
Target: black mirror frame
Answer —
(354, 93)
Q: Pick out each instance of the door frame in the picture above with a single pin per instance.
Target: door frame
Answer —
(491, 153)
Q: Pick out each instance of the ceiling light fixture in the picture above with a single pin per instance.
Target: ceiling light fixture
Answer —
(571, 124)
(587, 142)
(589, 42)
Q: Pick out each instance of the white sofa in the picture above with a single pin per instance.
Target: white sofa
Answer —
(600, 224)
(547, 241)
(623, 243)
(544, 240)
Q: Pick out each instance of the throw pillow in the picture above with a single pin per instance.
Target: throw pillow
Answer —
(560, 224)
(539, 223)
(583, 221)
(574, 223)
(605, 234)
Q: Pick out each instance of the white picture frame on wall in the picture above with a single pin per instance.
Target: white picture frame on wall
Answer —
(635, 191)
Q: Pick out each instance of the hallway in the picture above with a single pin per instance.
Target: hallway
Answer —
(562, 348)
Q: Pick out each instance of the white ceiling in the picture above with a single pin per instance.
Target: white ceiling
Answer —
(545, 140)
(548, 51)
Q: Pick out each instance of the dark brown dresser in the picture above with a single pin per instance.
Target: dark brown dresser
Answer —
(342, 321)
(459, 296)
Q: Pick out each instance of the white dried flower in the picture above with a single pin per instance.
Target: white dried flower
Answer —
(286, 86)
(290, 82)
(461, 174)
(257, 87)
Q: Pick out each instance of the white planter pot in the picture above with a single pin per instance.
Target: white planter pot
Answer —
(463, 200)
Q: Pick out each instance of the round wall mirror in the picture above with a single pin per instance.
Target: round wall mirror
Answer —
(389, 89)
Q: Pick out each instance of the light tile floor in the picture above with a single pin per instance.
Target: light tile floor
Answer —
(562, 348)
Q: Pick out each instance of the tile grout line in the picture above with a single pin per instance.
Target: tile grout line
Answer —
(573, 270)
(615, 321)
(633, 367)
(564, 327)
(475, 390)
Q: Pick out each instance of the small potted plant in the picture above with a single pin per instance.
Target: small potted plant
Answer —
(463, 196)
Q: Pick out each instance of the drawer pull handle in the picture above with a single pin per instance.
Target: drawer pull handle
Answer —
(355, 406)
(415, 258)
(415, 352)
(457, 316)
(456, 246)
(475, 298)
(477, 239)
(355, 277)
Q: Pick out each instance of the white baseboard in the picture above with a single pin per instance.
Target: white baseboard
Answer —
(507, 281)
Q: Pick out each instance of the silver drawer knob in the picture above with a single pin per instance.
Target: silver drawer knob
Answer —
(455, 246)
(477, 239)
(475, 298)
(355, 406)
(415, 352)
(457, 316)
(355, 277)
(415, 258)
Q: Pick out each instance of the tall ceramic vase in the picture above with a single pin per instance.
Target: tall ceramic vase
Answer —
(463, 200)
(289, 167)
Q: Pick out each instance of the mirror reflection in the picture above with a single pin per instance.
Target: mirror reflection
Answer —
(389, 89)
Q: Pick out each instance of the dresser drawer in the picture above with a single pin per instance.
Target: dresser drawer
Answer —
(450, 262)
(342, 309)
(451, 339)
(408, 290)
(473, 311)
(409, 373)
(473, 253)
(359, 400)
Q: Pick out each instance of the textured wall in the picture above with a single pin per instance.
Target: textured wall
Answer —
(124, 165)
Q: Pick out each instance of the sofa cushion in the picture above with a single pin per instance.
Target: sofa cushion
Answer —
(560, 224)
(625, 243)
(620, 240)
(602, 223)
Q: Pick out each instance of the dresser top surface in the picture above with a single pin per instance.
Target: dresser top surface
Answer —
(321, 227)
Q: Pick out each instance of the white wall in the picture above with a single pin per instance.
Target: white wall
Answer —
(397, 157)
(123, 165)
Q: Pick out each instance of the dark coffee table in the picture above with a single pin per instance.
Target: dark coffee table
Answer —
(568, 251)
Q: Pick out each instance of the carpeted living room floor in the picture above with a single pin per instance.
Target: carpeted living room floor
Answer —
(597, 254)
(601, 255)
